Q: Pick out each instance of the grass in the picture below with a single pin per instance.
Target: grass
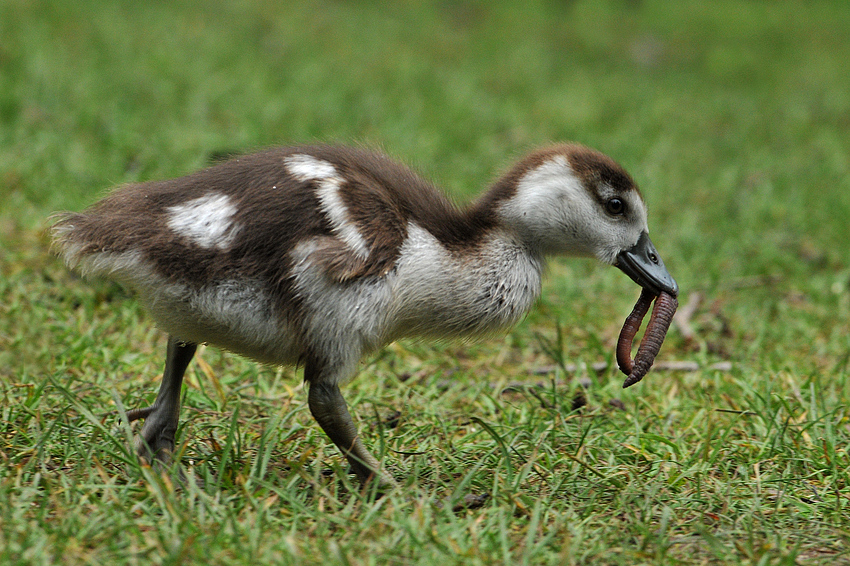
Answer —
(733, 117)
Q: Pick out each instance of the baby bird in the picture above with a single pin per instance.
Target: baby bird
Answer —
(319, 255)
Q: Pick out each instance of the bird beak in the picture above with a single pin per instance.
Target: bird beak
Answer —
(642, 263)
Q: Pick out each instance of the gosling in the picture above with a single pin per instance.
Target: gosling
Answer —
(320, 255)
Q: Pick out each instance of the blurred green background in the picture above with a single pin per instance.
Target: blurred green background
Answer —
(733, 117)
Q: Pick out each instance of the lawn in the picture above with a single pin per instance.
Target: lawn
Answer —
(734, 118)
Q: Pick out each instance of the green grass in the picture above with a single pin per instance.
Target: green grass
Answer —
(732, 116)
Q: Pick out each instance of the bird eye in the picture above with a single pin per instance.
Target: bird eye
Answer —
(615, 206)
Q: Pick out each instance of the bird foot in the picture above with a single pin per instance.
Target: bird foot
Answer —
(155, 442)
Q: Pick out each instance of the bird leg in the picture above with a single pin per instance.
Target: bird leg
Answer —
(156, 440)
(330, 411)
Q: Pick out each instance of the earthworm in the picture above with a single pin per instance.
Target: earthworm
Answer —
(656, 330)
(630, 329)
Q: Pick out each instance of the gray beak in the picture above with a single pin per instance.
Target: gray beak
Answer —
(643, 264)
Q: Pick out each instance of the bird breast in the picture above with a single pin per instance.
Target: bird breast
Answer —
(440, 293)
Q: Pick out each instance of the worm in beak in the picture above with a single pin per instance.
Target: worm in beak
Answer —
(659, 322)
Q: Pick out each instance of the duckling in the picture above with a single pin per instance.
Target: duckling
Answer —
(319, 255)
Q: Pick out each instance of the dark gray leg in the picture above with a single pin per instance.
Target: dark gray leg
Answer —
(156, 440)
(330, 411)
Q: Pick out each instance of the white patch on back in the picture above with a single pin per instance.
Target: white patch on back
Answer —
(307, 168)
(207, 221)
